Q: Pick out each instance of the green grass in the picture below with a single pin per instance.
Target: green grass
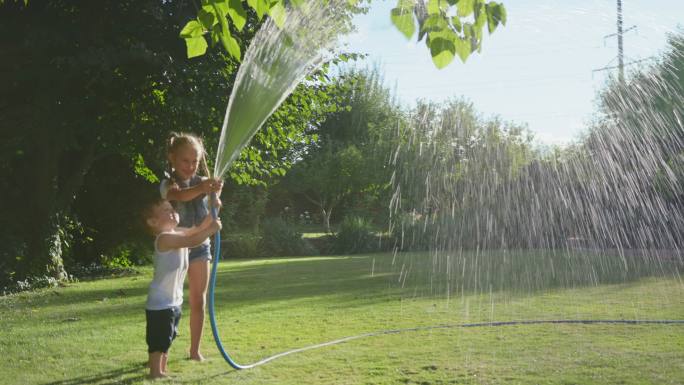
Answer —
(93, 332)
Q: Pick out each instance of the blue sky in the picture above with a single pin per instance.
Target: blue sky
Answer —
(537, 70)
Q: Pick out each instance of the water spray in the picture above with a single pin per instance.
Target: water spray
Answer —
(277, 60)
(574, 187)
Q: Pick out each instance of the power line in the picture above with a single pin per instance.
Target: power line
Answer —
(621, 51)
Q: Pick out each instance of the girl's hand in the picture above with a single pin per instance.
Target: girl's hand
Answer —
(211, 185)
(216, 202)
(173, 187)
(206, 185)
(217, 186)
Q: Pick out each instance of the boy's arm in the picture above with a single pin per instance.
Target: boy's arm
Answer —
(192, 230)
(189, 238)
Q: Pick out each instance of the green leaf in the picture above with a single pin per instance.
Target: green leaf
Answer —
(206, 18)
(496, 14)
(465, 7)
(503, 16)
(478, 7)
(456, 22)
(402, 18)
(463, 48)
(277, 13)
(231, 45)
(260, 6)
(468, 30)
(196, 46)
(433, 7)
(220, 6)
(480, 21)
(215, 36)
(192, 29)
(237, 14)
(253, 4)
(442, 51)
(434, 23)
(140, 168)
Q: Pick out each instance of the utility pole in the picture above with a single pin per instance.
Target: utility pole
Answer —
(621, 51)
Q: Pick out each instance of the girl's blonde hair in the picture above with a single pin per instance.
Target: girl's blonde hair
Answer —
(179, 139)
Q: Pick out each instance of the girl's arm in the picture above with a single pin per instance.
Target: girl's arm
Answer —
(209, 185)
(190, 237)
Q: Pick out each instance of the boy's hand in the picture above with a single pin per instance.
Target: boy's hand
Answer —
(206, 222)
(215, 225)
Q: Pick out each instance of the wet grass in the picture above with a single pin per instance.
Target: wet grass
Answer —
(93, 332)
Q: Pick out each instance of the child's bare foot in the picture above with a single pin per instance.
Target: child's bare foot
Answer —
(197, 357)
(158, 376)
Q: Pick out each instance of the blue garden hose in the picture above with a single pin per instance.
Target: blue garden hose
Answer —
(212, 285)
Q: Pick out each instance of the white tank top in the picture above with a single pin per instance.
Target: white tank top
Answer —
(166, 289)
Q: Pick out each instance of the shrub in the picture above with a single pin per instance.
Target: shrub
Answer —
(240, 246)
(280, 238)
(30, 283)
(97, 271)
(356, 235)
(325, 245)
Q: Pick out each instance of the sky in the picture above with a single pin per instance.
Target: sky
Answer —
(538, 70)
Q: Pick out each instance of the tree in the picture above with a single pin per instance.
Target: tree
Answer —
(455, 177)
(631, 168)
(81, 87)
(450, 27)
(329, 176)
(77, 87)
(350, 157)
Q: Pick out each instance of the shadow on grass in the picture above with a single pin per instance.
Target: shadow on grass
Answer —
(128, 375)
(365, 279)
(361, 279)
(530, 271)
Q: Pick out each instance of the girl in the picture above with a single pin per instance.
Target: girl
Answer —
(188, 192)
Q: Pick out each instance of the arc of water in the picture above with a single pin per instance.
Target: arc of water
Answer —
(276, 61)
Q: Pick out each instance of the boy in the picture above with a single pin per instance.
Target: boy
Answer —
(165, 295)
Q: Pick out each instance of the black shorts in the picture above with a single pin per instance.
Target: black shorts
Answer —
(162, 328)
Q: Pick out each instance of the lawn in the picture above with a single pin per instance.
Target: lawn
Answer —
(93, 332)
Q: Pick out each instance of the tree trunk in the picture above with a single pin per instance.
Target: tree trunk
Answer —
(326, 211)
(48, 196)
(44, 250)
(326, 218)
(41, 228)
